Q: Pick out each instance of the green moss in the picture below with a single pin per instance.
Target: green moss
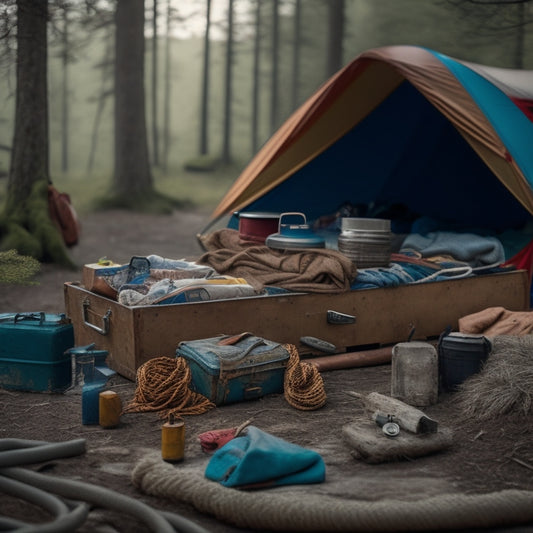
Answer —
(27, 228)
(20, 239)
(17, 269)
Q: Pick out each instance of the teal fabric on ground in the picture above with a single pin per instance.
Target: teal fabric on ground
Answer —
(258, 459)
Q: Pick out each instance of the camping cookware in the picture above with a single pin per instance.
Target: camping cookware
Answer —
(255, 227)
(366, 241)
(294, 236)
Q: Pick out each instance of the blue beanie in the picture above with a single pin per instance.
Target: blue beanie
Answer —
(258, 459)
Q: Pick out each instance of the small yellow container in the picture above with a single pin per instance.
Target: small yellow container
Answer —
(110, 408)
(173, 440)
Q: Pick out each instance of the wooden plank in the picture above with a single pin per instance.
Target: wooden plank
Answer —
(382, 316)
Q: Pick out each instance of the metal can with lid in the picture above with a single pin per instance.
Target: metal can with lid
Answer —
(295, 234)
(255, 226)
(366, 241)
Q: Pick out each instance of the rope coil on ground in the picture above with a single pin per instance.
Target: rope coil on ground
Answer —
(303, 384)
(163, 385)
(272, 511)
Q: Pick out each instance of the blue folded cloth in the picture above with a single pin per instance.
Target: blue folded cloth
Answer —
(258, 459)
(476, 250)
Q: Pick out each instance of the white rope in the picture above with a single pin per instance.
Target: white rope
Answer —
(268, 510)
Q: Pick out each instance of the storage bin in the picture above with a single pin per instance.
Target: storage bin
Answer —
(246, 370)
(34, 351)
(461, 355)
(133, 335)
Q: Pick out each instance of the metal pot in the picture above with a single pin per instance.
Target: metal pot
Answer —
(294, 236)
(255, 227)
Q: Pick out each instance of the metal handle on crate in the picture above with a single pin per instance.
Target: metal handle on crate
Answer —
(338, 318)
(104, 330)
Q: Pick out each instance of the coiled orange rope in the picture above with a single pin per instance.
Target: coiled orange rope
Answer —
(303, 386)
(163, 385)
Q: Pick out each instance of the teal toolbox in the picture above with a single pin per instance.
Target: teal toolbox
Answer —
(34, 351)
(228, 369)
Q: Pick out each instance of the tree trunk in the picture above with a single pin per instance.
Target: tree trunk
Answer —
(255, 78)
(296, 53)
(25, 225)
(155, 133)
(166, 97)
(274, 102)
(204, 144)
(105, 92)
(226, 149)
(335, 37)
(29, 159)
(132, 175)
(65, 92)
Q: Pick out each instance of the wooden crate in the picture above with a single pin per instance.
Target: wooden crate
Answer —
(133, 335)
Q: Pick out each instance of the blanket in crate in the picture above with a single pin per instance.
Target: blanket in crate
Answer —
(231, 268)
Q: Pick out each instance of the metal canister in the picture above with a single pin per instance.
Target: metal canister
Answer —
(173, 440)
(366, 241)
(110, 408)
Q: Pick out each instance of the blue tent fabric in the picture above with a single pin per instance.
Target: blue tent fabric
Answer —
(512, 125)
(258, 460)
(426, 146)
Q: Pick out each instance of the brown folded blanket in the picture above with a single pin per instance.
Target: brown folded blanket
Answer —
(305, 270)
(497, 321)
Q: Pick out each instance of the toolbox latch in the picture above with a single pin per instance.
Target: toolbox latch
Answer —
(252, 393)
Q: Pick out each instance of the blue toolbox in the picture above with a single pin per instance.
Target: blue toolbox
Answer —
(228, 369)
(34, 351)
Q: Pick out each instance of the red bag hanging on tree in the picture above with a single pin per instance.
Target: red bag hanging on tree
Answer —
(63, 215)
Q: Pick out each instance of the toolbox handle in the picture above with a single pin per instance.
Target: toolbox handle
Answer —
(228, 363)
(40, 316)
(241, 355)
(104, 330)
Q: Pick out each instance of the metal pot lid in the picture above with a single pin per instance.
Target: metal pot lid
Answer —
(258, 214)
(287, 242)
(365, 224)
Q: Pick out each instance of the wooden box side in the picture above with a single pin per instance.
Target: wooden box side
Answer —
(106, 323)
(380, 316)
(390, 315)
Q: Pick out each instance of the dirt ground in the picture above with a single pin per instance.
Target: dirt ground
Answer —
(488, 457)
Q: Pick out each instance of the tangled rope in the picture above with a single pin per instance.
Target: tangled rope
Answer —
(303, 384)
(163, 385)
(272, 511)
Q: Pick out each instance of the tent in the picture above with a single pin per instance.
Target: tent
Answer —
(406, 126)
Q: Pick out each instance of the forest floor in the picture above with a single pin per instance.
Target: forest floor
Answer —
(485, 457)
